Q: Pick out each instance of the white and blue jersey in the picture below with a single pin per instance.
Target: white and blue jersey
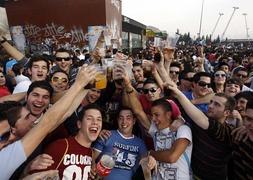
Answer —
(130, 151)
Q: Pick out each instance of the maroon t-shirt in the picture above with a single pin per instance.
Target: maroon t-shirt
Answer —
(76, 163)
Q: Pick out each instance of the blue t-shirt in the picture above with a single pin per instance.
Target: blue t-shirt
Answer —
(130, 151)
(202, 107)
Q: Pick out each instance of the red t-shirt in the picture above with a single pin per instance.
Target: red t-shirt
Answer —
(4, 91)
(76, 162)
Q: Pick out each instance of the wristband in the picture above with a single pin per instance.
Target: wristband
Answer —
(3, 41)
(131, 91)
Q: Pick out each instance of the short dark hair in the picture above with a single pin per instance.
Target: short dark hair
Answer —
(13, 114)
(58, 71)
(5, 106)
(40, 84)
(150, 81)
(122, 108)
(235, 80)
(90, 106)
(244, 94)
(162, 102)
(230, 103)
(198, 75)
(60, 50)
(37, 58)
(175, 64)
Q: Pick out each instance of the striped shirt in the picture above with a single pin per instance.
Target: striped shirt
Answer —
(242, 152)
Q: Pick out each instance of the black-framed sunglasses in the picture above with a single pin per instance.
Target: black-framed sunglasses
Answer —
(62, 58)
(204, 84)
(152, 90)
(220, 75)
(140, 90)
(5, 136)
(176, 72)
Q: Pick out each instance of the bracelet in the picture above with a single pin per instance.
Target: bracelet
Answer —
(3, 41)
(131, 91)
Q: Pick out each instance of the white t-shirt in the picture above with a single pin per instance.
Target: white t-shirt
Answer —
(22, 87)
(20, 78)
(163, 140)
(11, 157)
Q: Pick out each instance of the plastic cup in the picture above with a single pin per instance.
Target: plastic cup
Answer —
(100, 78)
(171, 41)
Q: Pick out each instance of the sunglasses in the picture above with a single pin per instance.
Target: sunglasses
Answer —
(62, 58)
(204, 84)
(152, 90)
(5, 136)
(175, 72)
(57, 79)
(220, 75)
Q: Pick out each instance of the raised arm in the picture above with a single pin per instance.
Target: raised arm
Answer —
(192, 111)
(12, 51)
(55, 115)
(135, 103)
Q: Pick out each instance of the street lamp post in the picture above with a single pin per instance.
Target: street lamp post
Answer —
(223, 34)
(246, 24)
(220, 14)
(200, 24)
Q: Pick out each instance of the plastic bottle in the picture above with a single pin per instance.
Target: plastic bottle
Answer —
(106, 163)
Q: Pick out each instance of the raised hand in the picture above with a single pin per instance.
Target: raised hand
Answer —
(85, 75)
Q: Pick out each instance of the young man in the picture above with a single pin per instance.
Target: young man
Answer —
(38, 68)
(15, 154)
(212, 161)
(64, 62)
(73, 156)
(130, 148)
(201, 88)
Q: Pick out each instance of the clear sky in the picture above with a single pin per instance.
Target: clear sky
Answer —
(185, 15)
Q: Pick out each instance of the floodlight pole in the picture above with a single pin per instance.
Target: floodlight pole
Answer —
(220, 14)
(223, 34)
(246, 24)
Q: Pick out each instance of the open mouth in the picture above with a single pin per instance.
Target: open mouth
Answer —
(93, 130)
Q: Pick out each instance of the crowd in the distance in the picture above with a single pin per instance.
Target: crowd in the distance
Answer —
(184, 113)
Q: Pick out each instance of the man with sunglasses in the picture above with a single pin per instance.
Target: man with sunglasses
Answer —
(185, 81)
(242, 74)
(201, 88)
(64, 62)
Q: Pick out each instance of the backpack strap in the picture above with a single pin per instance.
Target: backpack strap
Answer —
(66, 150)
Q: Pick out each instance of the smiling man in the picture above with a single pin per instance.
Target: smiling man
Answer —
(72, 156)
(38, 68)
(130, 148)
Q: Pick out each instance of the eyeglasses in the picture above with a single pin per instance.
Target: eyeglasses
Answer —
(176, 72)
(5, 136)
(57, 79)
(152, 90)
(188, 79)
(220, 75)
(241, 75)
(62, 58)
(204, 84)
